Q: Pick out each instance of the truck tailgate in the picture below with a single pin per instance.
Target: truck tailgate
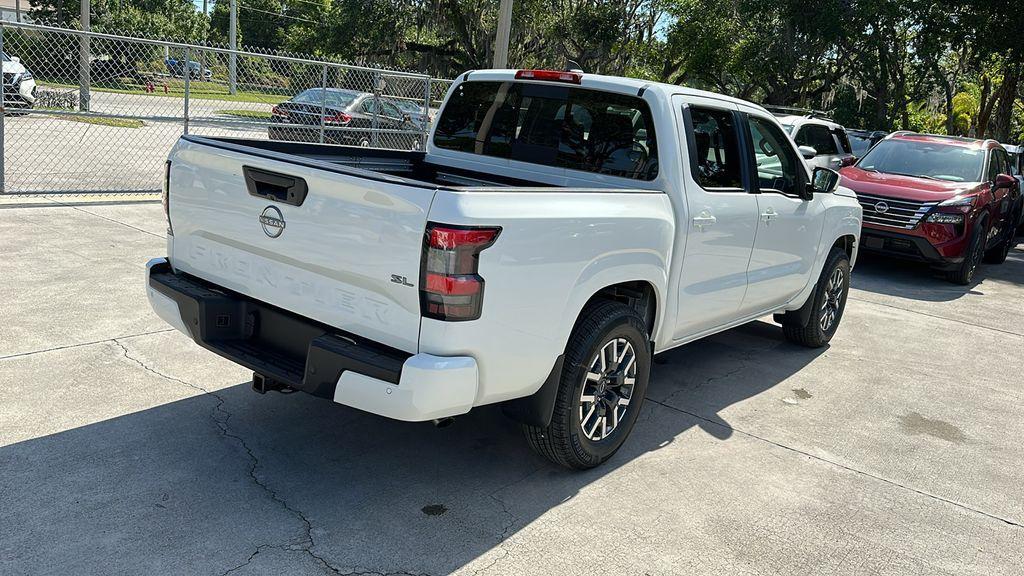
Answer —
(347, 254)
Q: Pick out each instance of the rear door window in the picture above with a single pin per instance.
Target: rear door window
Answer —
(715, 158)
(818, 137)
(844, 141)
(551, 125)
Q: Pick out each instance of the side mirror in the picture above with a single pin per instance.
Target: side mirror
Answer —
(807, 152)
(823, 181)
(15, 59)
(1004, 181)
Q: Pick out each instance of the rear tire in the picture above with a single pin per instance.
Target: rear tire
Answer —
(601, 390)
(829, 302)
(997, 255)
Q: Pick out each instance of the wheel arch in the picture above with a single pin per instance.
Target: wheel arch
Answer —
(642, 295)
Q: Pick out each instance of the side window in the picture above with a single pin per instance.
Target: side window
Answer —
(369, 106)
(844, 140)
(818, 137)
(715, 156)
(993, 165)
(778, 166)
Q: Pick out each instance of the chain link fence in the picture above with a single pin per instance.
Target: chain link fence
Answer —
(96, 112)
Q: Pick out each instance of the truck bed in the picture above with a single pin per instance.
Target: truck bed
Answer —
(407, 165)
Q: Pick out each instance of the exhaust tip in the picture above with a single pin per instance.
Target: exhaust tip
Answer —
(442, 422)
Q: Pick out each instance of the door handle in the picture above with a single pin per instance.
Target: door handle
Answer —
(704, 219)
(768, 214)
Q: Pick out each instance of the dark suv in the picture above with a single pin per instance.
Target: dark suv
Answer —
(945, 200)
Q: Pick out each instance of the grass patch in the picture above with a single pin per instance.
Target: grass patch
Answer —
(249, 114)
(198, 90)
(105, 121)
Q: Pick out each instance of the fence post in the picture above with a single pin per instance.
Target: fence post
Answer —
(84, 72)
(233, 45)
(375, 124)
(3, 113)
(188, 79)
(428, 92)
(323, 101)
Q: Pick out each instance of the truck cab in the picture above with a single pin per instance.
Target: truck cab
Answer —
(558, 230)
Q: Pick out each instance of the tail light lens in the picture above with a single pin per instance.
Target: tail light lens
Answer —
(451, 288)
(339, 118)
(165, 196)
(277, 111)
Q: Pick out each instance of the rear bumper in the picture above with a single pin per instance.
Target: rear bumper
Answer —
(309, 356)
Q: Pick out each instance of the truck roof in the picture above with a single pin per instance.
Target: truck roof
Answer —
(618, 84)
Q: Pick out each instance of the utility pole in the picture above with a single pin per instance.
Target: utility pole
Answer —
(84, 76)
(17, 10)
(502, 37)
(233, 45)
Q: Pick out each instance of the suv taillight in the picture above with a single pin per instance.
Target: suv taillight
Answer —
(450, 287)
(165, 196)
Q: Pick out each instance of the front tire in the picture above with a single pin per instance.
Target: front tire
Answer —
(601, 390)
(964, 274)
(829, 303)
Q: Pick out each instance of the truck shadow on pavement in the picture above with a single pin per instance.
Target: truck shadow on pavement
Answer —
(245, 483)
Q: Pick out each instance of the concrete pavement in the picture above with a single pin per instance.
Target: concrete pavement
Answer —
(125, 448)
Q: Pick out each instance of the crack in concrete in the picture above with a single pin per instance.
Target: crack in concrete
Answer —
(742, 365)
(80, 344)
(221, 416)
(1014, 523)
(503, 537)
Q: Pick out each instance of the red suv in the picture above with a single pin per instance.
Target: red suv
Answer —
(944, 200)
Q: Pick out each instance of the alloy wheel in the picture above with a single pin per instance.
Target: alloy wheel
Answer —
(607, 389)
(833, 299)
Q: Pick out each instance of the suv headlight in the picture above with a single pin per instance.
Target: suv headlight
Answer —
(26, 75)
(945, 218)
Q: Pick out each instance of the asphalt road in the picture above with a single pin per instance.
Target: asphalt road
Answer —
(127, 449)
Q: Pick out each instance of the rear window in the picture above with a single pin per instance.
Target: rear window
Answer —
(317, 96)
(551, 125)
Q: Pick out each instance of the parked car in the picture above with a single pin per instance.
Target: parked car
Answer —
(1016, 154)
(349, 118)
(814, 129)
(196, 70)
(944, 200)
(532, 256)
(414, 109)
(862, 140)
(19, 87)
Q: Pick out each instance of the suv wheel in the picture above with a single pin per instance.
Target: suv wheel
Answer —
(601, 391)
(829, 302)
(964, 274)
(997, 255)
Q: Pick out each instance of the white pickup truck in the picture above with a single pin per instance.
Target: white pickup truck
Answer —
(557, 231)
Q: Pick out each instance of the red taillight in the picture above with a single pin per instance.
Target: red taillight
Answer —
(450, 288)
(339, 118)
(277, 111)
(550, 76)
